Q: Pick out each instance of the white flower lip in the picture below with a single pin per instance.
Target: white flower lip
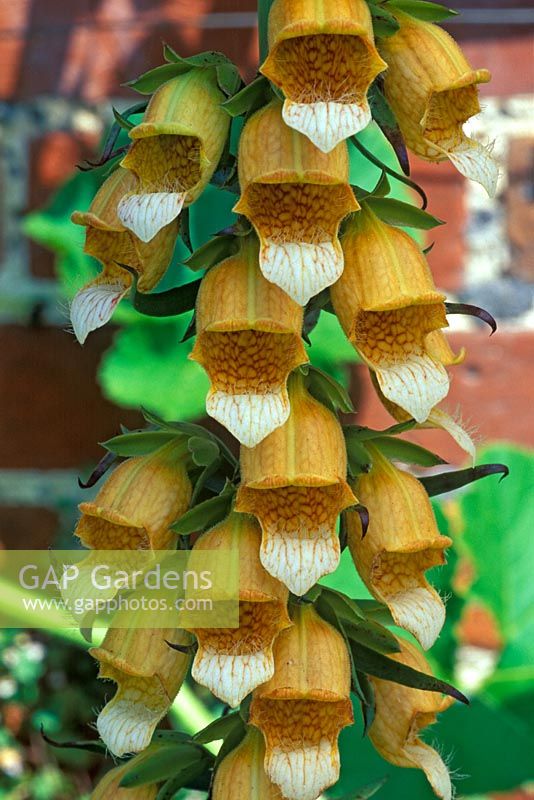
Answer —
(146, 214)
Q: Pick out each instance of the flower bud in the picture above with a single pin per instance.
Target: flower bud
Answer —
(107, 240)
(390, 310)
(248, 341)
(138, 502)
(438, 418)
(401, 714)
(231, 662)
(175, 152)
(304, 706)
(323, 57)
(295, 196)
(294, 482)
(432, 91)
(108, 787)
(401, 543)
(241, 773)
(148, 674)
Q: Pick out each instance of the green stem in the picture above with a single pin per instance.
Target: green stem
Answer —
(264, 7)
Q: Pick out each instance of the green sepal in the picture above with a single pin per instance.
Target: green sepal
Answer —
(140, 443)
(148, 82)
(366, 693)
(395, 212)
(359, 461)
(161, 761)
(407, 452)
(195, 776)
(207, 514)
(219, 729)
(212, 252)
(429, 12)
(380, 666)
(389, 171)
(191, 429)
(346, 609)
(381, 189)
(375, 611)
(249, 99)
(384, 23)
(231, 741)
(449, 481)
(363, 434)
(204, 451)
(326, 389)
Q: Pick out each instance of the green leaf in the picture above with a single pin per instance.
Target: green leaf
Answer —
(356, 141)
(327, 390)
(212, 252)
(384, 23)
(138, 443)
(405, 451)
(148, 82)
(204, 451)
(219, 728)
(195, 776)
(206, 514)
(358, 459)
(365, 792)
(366, 693)
(429, 12)
(124, 123)
(381, 666)
(251, 97)
(149, 365)
(162, 761)
(395, 212)
(498, 525)
(375, 611)
(448, 481)
(372, 635)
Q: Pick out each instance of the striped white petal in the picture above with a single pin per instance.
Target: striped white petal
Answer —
(420, 611)
(249, 417)
(94, 305)
(231, 678)
(299, 558)
(301, 269)
(303, 772)
(416, 385)
(146, 214)
(327, 123)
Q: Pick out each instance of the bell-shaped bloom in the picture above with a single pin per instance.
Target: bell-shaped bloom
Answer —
(401, 543)
(138, 502)
(248, 341)
(304, 706)
(108, 787)
(107, 240)
(295, 196)
(323, 57)
(294, 482)
(241, 773)
(401, 714)
(390, 310)
(148, 674)
(175, 151)
(231, 662)
(432, 91)
(438, 418)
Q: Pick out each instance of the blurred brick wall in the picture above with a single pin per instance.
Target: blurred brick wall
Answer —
(59, 65)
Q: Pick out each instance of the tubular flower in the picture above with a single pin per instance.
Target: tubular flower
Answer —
(108, 787)
(401, 714)
(294, 482)
(295, 197)
(304, 706)
(233, 661)
(389, 308)
(432, 90)
(175, 152)
(248, 341)
(135, 507)
(148, 674)
(436, 419)
(323, 57)
(107, 240)
(242, 775)
(402, 542)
